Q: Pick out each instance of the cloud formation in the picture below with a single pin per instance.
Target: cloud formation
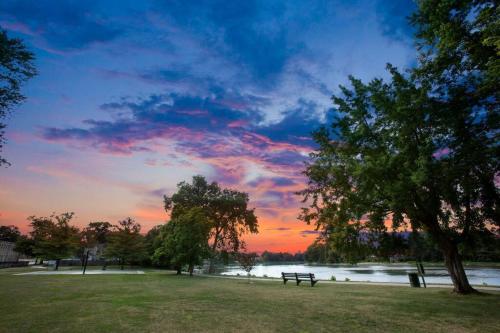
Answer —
(164, 90)
(62, 25)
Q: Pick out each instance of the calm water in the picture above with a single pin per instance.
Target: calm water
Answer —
(397, 273)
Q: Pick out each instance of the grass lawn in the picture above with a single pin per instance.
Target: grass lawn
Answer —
(163, 302)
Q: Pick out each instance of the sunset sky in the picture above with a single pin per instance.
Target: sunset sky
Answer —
(133, 97)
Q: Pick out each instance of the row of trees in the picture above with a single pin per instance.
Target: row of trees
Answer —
(206, 222)
(420, 149)
(380, 247)
(267, 256)
(54, 238)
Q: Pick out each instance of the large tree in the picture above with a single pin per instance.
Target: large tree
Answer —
(126, 243)
(183, 240)
(54, 238)
(421, 149)
(16, 67)
(226, 210)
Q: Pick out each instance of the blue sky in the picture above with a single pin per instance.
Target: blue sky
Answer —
(134, 97)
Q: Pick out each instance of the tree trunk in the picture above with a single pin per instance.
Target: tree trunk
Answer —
(57, 264)
(454, 265)
(452, 259)
(178, 271)
(211, 267)
(190, 269)
(122, 263)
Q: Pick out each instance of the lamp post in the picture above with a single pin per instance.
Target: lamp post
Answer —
(85, 262)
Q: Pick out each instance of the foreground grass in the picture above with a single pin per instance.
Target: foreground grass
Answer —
(161, 302)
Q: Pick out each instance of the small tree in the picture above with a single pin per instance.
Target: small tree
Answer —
(126, 243)
(9, 233)
(247, 262)
(183, 241)
(53, 237)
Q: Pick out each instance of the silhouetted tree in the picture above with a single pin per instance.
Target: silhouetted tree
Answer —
(16, 67)
(247, 261)
(9, 233)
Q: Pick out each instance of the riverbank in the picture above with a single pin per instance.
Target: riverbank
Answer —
(373, 273)
(364, 283)
(160, 301)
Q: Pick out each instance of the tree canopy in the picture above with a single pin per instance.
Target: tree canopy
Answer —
(53, 237)
(226, 211)
(16, 67)
(96, 233)
(9, 233)
(183, 240)
(420, 149)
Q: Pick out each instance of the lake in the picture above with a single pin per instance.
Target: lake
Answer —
(395, 273)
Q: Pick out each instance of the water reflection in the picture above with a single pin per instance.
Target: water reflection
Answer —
(396, 273)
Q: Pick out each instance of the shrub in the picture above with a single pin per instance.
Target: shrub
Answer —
(333, 278)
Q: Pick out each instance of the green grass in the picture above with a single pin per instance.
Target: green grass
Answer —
(163, 302)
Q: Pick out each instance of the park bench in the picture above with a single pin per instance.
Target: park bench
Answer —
(299, 277)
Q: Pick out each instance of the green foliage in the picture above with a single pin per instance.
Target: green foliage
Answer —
(54, 237)
(226, 210)
(421, 148)
(153, 241)
(9, 233)
(96, 233)
(183, 240)
(16, 67)
(126, 243)
(25, 246)
(320, 252)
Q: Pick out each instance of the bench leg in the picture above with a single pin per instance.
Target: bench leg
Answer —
(313, 283)
(284, 281)
(298, 282)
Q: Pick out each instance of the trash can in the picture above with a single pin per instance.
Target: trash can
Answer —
(414, 280)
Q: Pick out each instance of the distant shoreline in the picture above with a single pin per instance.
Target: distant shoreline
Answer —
(366, 263)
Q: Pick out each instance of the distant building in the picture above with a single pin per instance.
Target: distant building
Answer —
(7, 253)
